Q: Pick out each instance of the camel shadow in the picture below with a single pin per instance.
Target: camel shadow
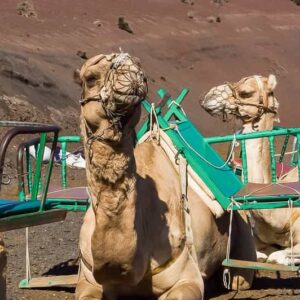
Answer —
(153, 230)
(68, 267)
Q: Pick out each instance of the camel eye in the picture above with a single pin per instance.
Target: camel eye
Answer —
(90, 79)
(245, 95)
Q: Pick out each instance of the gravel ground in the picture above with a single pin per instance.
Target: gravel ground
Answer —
(54, 249)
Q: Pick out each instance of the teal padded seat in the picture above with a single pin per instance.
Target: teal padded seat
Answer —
(223, 178)
(11, 207)
(15, 214)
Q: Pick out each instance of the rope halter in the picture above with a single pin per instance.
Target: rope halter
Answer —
(123, 88)
(225, 100)
(262, 108)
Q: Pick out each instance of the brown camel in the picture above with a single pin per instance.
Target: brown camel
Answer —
(3, 260)
(133, 239)
(252, 101)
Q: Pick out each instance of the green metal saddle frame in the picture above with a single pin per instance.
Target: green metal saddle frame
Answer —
(225, 185)
(61, 196)
(14, 214)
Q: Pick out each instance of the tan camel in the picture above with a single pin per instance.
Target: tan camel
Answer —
(3, 261)
(133, 240)
(252, 101)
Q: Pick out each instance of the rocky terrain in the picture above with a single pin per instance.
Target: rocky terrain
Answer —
(181, 43)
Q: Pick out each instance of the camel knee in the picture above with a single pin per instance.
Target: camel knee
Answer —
(240, 283)
(185, 291)
(87, 291)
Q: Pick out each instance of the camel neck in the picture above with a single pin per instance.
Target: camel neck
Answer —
(258, 154)
(111, 175)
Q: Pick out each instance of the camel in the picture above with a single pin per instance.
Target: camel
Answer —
(3, 261)
(252, 101)
(132, 240)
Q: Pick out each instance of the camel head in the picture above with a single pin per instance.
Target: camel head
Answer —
(112, 89)
(247, 99)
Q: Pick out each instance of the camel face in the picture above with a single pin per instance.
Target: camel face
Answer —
(112, 89)
(246, 99)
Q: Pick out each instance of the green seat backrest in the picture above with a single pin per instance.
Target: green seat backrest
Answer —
(221, 181)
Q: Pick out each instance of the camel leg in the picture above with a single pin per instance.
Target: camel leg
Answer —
(243, 248)
(3, 261)
(263, 250)
(284, 257)
(190, 286)
(87, 291)
(185, 290)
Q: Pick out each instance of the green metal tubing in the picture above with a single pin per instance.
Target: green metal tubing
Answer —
(174, 109)
(48, 172)
(28, 170)
(250, 198)
(64, 164)
(39, 161)
(244, 162)
(283, 149)
(294, 156)
(298, 157)
(273, 160)
(265, 205)
(253, 135)
(162, 93)
(63, 140)
(69, 139)
(234, 263)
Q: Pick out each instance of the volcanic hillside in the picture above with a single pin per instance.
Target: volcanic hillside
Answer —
(181, 43)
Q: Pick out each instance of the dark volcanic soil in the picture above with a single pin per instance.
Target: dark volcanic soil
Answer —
(180, 44)
(196, 44)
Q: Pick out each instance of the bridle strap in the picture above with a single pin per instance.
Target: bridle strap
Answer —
(261, 107)
(86, 100)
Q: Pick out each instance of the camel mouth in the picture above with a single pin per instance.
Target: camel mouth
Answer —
(213, 106)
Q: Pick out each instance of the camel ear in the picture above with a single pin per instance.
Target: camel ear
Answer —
(272, 82)
(76, 77)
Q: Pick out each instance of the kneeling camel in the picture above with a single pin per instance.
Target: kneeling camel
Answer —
(252, 101)
(132, 241)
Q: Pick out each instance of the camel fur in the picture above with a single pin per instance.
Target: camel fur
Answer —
(132, 240)
(3, 261)
(272, 227)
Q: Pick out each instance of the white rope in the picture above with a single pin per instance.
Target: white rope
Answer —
(229, 233)
(289, 187)
(257, 190)
(226, 273)
(202, 157)
(27, 258)
(270, 184)
(291, 233)
(226, 278)
(178, 105)
(189, 239)
(120, 59)
(286, 153)
(153, 113)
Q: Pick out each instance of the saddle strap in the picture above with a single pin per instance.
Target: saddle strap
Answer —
(189, 239)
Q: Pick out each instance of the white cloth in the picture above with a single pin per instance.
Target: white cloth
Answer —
(72, 159)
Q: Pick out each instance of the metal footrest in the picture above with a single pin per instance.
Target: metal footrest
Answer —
(243, 264)
(32, 219)
(49, 281)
